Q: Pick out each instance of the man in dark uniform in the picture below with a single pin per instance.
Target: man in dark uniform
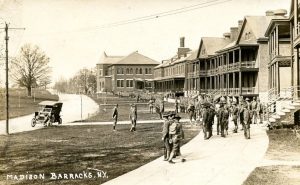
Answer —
(247, 121)
(115, 116)
(165, 136)
(211, 119)
(235, 112)
(205, 120)
(191, 112)
(254, 110)
(223, 116)
(176, 134)
(176, 106)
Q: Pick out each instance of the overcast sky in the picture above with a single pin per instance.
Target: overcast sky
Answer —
(71, 35)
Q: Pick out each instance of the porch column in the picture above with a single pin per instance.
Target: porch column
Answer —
(240, 57)
(296, 17)
(277, 42)
(228, 85)
(278, 77)
(240, 82)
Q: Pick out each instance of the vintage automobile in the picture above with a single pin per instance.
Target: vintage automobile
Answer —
(49, 114)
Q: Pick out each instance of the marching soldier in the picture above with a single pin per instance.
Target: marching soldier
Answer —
(223, 116)
(259, 111)
(151, 105)
(254, 110)
(133, 117)
(115, 116)
(205, 120)
(235, 112)
(247, 121)
(176, 134)
(165, 137)
(176, 105)
(211, 119)
(191, 112)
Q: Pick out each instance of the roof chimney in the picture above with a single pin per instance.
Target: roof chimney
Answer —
(182, 42)
(234, 33)
(227, 35)
(240, 23)
(280, 12)
(269, 13)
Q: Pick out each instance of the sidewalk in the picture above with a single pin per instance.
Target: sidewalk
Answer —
(217, 161)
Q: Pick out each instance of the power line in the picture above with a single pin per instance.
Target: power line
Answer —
(143, 18)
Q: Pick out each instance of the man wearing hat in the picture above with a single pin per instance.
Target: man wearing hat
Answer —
(247, 121)
(133, 117)
(115, 116)
(176, 134)
(223, 116)
(235, 112)
(205, 120)
(165, 136)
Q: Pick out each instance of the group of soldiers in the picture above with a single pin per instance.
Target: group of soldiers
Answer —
(245, 113)
(172, 136)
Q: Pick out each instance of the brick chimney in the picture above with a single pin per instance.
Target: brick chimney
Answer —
(234, 33)
(181, 42)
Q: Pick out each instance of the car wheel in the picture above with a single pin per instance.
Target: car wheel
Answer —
(33, 122)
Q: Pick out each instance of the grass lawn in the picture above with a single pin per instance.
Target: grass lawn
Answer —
(283, 145)
(74, 149)
(20, 104)
(105, 112)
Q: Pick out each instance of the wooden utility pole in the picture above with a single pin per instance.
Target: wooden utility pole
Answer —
(6, 73)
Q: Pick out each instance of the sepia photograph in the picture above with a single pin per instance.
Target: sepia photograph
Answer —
(149, 92)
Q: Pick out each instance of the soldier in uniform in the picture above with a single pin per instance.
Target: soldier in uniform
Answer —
(235, 112)
(161, 108)
(223, 117)
(259, 111)
(211, 119)
(151, 105)
(176, 134)
(254, 110)
(205, 120)
(115, 116)
(165, 136)
(133, 117)
(191, 112)
(176, 105)
(247, 121)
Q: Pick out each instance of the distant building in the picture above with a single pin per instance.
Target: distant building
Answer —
(125, 73)
(171, 74)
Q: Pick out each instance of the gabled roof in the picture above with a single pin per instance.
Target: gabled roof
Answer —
(136, 58)
(258, 25)
(213, 44)
(105, 59)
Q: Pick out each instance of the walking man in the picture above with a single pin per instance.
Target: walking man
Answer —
(235, 112)
(259, 111)
(191, 112)
(115, 116)
(151, 105)
(165, 136)
(176, 105)
(176, 134)
(254, 110)
(133, 117)
(247, 121)
(205, 120)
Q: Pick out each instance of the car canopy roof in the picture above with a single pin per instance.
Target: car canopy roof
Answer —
(51, 103)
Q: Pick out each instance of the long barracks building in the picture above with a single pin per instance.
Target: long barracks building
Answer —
(233, 65)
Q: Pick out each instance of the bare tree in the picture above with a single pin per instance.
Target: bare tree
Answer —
(30, 68)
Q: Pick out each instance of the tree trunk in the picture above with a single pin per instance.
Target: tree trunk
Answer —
(29, 91)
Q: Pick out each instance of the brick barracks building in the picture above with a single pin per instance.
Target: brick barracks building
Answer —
(125, 73)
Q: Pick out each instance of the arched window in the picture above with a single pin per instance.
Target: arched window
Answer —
(136, 71)
(141, 71)
(150, 71)
(127, 70)
(131, 71)
(146, 71)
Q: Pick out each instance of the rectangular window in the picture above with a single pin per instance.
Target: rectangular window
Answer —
(129, 83)
(120, 83)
